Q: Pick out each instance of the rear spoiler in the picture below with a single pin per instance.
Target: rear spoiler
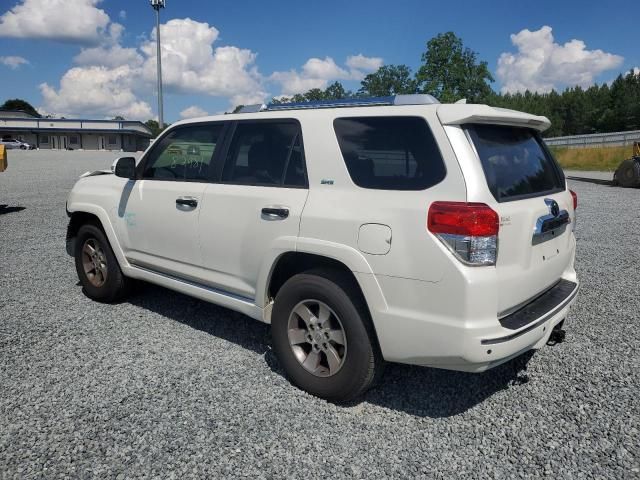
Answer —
(460, 114)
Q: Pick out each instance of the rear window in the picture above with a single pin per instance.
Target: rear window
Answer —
(390, 153)
(516, 162)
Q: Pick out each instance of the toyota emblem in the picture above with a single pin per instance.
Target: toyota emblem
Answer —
(554, 208)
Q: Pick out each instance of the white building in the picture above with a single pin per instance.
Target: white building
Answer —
(77, 134)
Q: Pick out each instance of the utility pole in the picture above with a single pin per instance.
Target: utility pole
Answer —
(157, 5)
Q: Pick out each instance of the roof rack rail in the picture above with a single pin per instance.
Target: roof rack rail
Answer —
(416, 99)
(258, 107)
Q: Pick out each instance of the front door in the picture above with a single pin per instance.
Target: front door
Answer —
(158, 213)
(63, 142)
(54, 142)
(256, 204)
(101, 143)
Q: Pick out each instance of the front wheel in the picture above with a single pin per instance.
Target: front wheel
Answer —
(97, 266)
(323, 337)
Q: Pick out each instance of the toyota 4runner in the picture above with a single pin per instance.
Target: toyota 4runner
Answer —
(364, 230)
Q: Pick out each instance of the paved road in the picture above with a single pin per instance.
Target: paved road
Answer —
(167, 386)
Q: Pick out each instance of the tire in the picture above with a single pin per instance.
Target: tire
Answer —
(628, 173)
(360, 363)
(107, 284)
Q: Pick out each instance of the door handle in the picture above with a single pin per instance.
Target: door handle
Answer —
(275, 213)
(187, 202)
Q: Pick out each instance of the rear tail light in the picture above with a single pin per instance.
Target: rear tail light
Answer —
(469, 230)
(574, 195)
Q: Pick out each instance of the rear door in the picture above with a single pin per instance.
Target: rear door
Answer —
(527, 188)
(254, 209)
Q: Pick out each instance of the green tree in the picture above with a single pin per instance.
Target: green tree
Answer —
(451, 71)
(312, 95)
(155, 127)
(18, 105)
(335, 91)
(388, 80)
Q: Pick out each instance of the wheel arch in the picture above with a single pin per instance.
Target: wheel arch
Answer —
(81, 215)
(293, 262)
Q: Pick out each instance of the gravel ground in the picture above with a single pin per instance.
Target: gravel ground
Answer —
(167, 386)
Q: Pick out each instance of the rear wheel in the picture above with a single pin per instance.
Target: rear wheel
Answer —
(323, 338)
(97, 266)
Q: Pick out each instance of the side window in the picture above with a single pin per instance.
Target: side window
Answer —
(390, 153)
(266, 153)
(184, 154)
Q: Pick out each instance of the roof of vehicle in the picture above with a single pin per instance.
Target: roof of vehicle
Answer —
(449, 114)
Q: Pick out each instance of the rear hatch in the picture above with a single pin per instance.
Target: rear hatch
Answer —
(527, 188)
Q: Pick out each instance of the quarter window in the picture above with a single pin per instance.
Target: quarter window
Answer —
(186, 153)
(266, 153)
(390, 153)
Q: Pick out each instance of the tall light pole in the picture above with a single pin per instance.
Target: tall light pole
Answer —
(157, 5)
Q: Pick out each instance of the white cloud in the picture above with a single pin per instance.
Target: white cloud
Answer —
(190, 64)
(292, 82)
(325, 69)
(114, 33)
(96, 91)
(193, 112)
(111, 57)
(317, 73)
(13, 62)
(541, 64)
(74, 21)
(636, 71)
(123, 14)
(365, 64)
(110, 76)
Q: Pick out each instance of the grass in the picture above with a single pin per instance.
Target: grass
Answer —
(594, 158)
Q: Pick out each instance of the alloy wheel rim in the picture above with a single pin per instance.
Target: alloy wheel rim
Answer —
(317, 338)
(94, 262)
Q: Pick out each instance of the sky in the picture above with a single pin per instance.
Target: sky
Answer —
(96, 58)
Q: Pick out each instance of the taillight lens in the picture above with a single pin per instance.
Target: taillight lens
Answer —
(469, 230)
(574, 195)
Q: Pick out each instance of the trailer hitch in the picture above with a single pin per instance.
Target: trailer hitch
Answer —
(557, 335)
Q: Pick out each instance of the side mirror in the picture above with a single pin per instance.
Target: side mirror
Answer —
(126, 168)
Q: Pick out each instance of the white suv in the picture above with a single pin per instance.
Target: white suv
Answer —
(363, 230)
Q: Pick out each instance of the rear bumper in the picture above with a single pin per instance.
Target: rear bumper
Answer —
(469, 343)
(536, 312)
(497, 350)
